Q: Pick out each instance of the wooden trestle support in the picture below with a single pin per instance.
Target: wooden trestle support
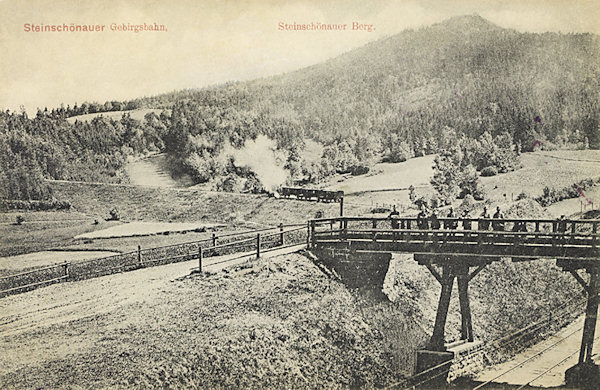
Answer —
(585, 374)
(451, 268)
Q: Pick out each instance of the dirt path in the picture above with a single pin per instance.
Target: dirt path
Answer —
(74, 300)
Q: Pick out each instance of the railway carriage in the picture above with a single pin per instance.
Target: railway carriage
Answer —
(311, 194)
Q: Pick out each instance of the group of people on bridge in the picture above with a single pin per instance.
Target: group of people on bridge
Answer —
(431, 220)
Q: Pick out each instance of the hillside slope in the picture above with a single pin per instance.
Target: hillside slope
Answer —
(276, 323)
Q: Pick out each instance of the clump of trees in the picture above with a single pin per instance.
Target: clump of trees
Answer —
(49, 147)
(551, 195)
(456, 166)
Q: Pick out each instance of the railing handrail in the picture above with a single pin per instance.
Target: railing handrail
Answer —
(251, 239)
(472, 219)
(36, 270)
(462, 231)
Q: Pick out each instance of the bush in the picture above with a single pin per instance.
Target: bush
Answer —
(489, 171)
(231, 183)
(522, 195)
(399, 152)
(34, 205)
(551, 195)
(253, 185)
(114, 214)
(359, 169)
(20, 219)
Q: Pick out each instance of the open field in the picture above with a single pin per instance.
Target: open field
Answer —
(153, 171)
(387, 183)
(55, 230)
(94, 201)
(171, 205)
(558, 169)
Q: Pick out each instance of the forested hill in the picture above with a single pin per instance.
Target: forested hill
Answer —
(465, 73)
(413, 93)
(410, 94)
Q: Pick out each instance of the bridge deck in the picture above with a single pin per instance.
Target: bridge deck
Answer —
(562, 240)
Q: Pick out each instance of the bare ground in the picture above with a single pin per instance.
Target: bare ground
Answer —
(274, 323)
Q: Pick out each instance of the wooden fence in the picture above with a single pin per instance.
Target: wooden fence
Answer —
(258, 241)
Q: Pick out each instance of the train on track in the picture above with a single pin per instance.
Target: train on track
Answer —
(311, 194)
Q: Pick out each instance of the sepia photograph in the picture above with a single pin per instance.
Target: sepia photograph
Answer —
(300, 194)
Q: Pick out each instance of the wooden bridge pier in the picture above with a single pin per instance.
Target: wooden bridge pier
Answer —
(445, 269)
(585, 374)
(452, 267)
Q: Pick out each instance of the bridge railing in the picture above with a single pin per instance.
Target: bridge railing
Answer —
(547, 232)
(563, 226)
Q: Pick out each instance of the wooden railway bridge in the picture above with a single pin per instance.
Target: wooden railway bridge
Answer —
(460, 248)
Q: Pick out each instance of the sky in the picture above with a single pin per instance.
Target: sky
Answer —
(208, 42)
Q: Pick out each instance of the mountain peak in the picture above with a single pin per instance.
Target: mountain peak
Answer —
(467, 23)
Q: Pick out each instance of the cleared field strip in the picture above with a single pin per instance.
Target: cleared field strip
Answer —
(133, 229)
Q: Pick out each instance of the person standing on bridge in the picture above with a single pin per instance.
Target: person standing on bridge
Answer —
(394, 216)
(562, 224)
(484, 223)
(422, 222)
(498, 225)
(435, 222)
(466, 220)
(452, 224)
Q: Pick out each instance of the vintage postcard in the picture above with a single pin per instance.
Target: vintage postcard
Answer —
(262, 194)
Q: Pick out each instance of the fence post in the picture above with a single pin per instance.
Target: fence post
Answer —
(313, 227)
(308, 234)
(281, 234)
(257, 245)
(66, 269)
(139, 254)
(200, 258)
(214, 239)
